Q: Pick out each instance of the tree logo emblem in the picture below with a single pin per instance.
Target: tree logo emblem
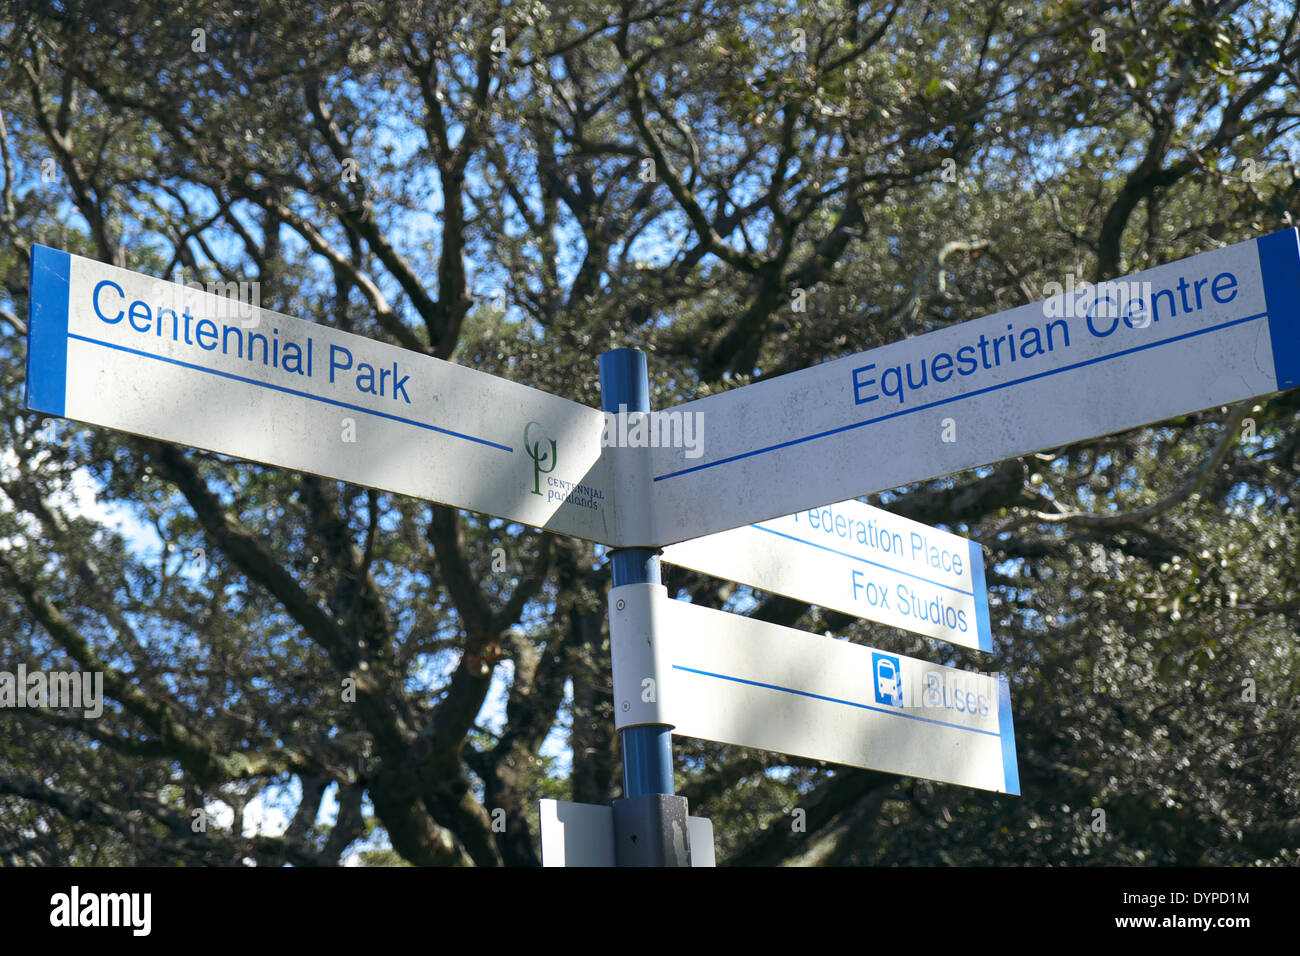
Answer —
(540, 457)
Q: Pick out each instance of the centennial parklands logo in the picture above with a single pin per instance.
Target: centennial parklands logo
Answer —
(622, 429)
(545, 454)
(544, 459)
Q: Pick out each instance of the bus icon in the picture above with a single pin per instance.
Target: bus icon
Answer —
(889, 679)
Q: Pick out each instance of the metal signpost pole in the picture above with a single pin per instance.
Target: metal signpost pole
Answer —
(647, 750)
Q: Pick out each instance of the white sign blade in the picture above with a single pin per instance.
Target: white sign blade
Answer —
(700, 832)
(1211, 330)
(130, 352)
(719, 676)
(576, 834)
(861, 560)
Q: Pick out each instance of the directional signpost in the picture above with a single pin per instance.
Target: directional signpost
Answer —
(116, 348)
(723, 677)
(1211, 330)
(857, 559)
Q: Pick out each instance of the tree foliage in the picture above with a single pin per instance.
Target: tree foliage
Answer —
(520, 186)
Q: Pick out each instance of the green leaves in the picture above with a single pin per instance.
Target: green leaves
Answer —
(837, 165)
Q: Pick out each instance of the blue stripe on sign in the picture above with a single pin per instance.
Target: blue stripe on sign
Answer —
(839, 700)
(982, 626)
(291, 391)
(47, 330)
(1010, 768)
(964, 396)
(855, 557)
(1279, 264)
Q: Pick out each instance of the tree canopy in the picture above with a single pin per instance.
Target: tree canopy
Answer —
(739, 189)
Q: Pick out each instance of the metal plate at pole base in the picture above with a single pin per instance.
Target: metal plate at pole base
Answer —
(651, 830)
(582, 834)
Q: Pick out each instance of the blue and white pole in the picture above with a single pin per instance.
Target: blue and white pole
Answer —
(647, 751)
